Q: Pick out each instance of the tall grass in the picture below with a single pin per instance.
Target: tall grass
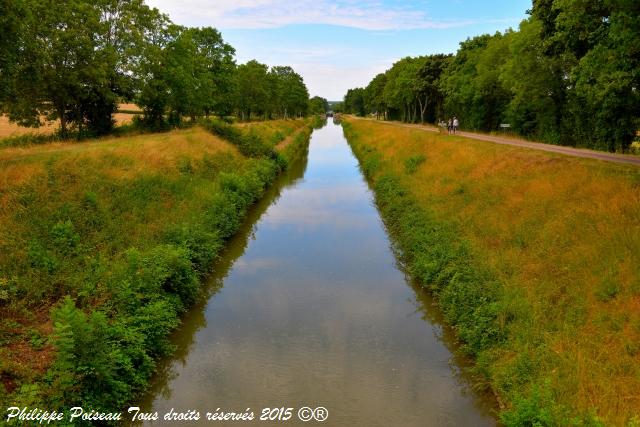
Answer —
(533, 257)
(102, 247)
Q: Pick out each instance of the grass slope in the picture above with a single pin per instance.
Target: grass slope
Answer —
(102, 247)
(534, 258)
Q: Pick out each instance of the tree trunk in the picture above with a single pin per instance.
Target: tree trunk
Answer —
(423, 108)
(63, 121)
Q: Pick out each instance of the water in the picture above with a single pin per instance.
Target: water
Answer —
(309, 308)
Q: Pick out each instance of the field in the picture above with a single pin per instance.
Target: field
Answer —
(102, 247)
(535, 259)
(8, 129)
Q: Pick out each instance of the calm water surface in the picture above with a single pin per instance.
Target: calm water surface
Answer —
(309, 308)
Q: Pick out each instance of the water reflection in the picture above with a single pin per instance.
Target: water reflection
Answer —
(184, 338)
(315, 312)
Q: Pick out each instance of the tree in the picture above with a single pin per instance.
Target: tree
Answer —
(426, 85)
(538, 91)
(354, 102)
(318, 105)
(12, 19)
(288, 92)
(471, 82)
(570, 75)
(374, 96)
(75, 61)
(597, 45)
(399, 92)
(215, 67)
(252, 89)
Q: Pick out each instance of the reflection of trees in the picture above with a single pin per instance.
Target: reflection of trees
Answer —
(195, 319)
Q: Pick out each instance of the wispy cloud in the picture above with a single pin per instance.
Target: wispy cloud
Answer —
(263, 14)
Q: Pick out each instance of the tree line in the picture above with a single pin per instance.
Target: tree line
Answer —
(569, 75)
(76, 60)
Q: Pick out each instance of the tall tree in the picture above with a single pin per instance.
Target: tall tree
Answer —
(289, 93)
(538, 91)
(252, 88)
(374, 96)
(354, 102)
(471, 83)
(426, 85)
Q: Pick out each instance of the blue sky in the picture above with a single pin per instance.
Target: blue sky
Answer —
(340, 44)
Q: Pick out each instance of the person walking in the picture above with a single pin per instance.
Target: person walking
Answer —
(450, 125)
(456, 124)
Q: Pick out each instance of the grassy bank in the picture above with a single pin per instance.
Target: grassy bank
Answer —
(103, 245)
(534, 259)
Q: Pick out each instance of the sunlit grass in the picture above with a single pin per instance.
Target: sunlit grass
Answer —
(274, 131)
(10, 129)
(562, 237)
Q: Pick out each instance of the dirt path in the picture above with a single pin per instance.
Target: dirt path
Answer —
(569, 151)
(283, 144)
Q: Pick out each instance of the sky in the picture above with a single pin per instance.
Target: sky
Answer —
(340, 44)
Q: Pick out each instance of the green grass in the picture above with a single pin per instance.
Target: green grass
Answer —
(103, 246)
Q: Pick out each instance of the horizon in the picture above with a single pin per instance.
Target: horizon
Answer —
(371, 35)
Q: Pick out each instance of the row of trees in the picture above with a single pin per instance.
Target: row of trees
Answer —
(75, 60)
(408, 91)
(569, 75)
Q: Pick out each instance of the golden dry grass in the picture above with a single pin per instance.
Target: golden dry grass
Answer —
(129, 107)
(274, 131)
(562, 235)
(9, 129)
(117, 158)
(150, 151)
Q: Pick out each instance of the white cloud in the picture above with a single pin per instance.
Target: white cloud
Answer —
(254, 14)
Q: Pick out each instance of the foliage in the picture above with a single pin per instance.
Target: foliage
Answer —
(278, 92)
(354, 102)
(318, 105)
(249, 143)
(471, 83)
(569, 76)
(75, 61)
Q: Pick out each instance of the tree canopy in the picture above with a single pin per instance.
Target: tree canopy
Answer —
(74, 61)
(569, 75)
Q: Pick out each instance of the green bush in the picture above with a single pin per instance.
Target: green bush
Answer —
(96, 361)
(248, 142)
(533, 411)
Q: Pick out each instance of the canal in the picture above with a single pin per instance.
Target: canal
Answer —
(308, 308)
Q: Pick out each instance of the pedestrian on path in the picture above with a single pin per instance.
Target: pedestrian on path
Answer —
(456, 124)
(450, 125)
